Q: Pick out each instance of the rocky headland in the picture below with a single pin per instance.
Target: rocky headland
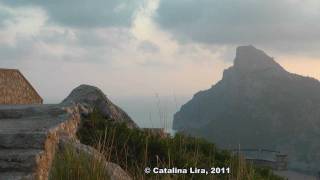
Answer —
(258, 104)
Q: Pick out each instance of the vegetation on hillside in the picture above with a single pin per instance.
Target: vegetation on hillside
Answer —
(70, 164)
(134, 150)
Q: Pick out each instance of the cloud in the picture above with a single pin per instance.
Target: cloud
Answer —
(86, 13)
(58, 50)
(287, 25)
(12, 53)
(26, 36)
(4, 16)
(148, 47)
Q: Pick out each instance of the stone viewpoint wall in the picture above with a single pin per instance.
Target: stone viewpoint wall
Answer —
(15, 89)
(68, 128)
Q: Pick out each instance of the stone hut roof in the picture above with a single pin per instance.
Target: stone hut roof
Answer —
(8, 72)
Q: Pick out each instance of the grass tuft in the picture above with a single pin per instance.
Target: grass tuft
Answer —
(72, 165)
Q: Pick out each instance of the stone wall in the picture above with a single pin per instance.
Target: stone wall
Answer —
(67, 128)
(63, 134)
(15, 89)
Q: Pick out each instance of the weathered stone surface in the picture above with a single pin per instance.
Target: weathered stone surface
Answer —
(16, 176)
(18, 159)
(66, 128)
(116, 172)
(89, 98)
(77, 146)
(25, 111)
(29, 136)
(22, 140)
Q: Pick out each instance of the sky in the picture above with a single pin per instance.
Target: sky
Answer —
(148, 48)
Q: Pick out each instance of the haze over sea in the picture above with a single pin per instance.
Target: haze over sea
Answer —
(152, 112)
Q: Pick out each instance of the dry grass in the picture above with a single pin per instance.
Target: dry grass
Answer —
(72, 165)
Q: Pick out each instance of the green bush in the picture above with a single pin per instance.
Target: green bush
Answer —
(134, 149)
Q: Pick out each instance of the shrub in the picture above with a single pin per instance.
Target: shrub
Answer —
(134, 149)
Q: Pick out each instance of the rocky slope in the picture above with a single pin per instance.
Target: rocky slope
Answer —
(90, 98)
(258, 104)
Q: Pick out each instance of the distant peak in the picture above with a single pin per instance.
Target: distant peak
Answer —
(249, 58)
(245, 49)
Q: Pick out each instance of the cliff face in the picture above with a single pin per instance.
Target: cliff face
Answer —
(258, 104)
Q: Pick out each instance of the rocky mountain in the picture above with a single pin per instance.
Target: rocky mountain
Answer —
(90, 98)
(258, 104)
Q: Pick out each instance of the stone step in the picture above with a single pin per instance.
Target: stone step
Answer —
(23, 160)
(24, 111)
(22, 140)
(15, 176)
(24, 130)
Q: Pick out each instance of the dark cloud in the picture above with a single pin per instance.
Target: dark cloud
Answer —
(288, 25)
(85, 13)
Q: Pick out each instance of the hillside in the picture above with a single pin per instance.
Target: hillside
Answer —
(258, 104)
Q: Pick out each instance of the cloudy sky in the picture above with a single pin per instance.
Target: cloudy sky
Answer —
(142, 47)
